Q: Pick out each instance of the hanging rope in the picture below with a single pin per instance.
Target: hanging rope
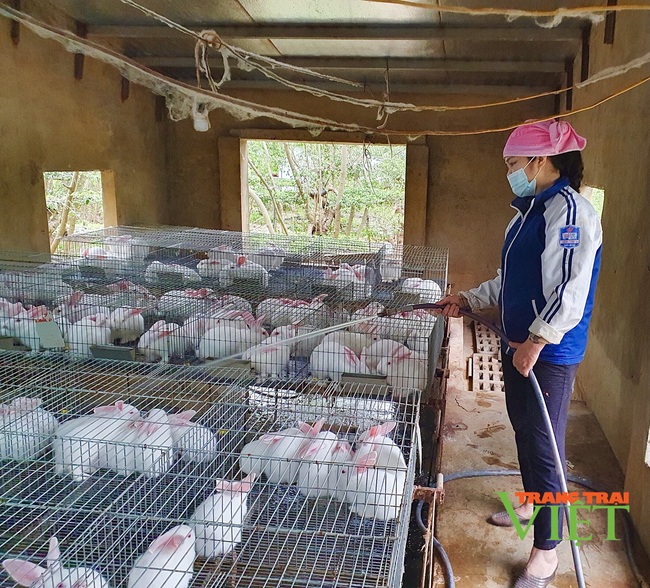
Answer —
(181, 98)
(593, 13)
(384, 107)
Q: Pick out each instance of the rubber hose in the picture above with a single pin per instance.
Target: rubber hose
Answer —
(442, 554)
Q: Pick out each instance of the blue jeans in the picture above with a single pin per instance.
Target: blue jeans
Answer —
(533, 444)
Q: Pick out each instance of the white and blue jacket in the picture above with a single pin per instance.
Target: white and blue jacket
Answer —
(549, 268)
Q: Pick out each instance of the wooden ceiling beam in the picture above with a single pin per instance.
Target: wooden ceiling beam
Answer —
(381, 64)
(366, 32)
(398, 88)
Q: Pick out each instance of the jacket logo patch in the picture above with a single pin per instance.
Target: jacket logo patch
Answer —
(570, 236)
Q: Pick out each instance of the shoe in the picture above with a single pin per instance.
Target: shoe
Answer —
(526, 580)
(502, 519)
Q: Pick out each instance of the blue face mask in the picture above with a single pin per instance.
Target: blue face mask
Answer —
(520, 184)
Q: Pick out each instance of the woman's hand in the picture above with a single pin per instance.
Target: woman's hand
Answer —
(452, 304)
(526, 355)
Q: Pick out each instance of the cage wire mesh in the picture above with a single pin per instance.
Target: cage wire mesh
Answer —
(190, 295)
(272, 533)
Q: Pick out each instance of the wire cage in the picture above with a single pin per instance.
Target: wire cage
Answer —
(192, 299)
(276, 531)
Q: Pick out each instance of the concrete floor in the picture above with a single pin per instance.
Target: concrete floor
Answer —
(478, 435)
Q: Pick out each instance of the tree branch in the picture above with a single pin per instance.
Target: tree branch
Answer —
(65, 213)
(263, 210)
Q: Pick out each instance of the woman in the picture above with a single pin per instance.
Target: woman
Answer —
(545, 292)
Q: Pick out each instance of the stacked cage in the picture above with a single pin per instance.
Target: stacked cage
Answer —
(194, 296)
(128, 474)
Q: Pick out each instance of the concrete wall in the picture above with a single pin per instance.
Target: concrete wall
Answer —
(615, 376)
(50, 122)
(467, 201)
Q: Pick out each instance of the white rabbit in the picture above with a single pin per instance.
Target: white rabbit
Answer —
(236, 301)
(23, 329)
(276, 310)
(155, 453)
(89, 331)
(193, 441)
(145, 446)
(336, 481)
(389, 455)
(428, 290)
(268, 358)
(187, 302)
(126, 324)
(161, 342)
(373, 354)
(404, 370)
(281, 333)
(318, 458)
(25, 573)
(315, 313)
(252, 457)
(222, 341)
(168, 561)
(190, 333)
(247, 270)
(355, 341)
(127, 247)
(229, 338)
(126, 293)
(270, 257)
(9, 309)
(223, 253)
(155, 268)
(219, 519)
(212, 268)
(330, 360)
(374, 492)
(79, 305)
(373, 323)
(350, 279)
(281, 457)
(79, 444)
(26, 429)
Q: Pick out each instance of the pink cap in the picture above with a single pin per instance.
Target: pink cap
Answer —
(550, 137)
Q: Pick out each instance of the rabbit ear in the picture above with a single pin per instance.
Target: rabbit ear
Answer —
(399, 354)
(244, 486)
(329, 273)
(308, 449)
(181, 418)
(260, 320)
(272, 438)
(169, 541)
(311, 430)
(378, 430)
(350, 355)
(150, 428)
(53, 553)
(319, 298)
(343, 446)
(366, 461)
(23, 572)
(104, 410)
